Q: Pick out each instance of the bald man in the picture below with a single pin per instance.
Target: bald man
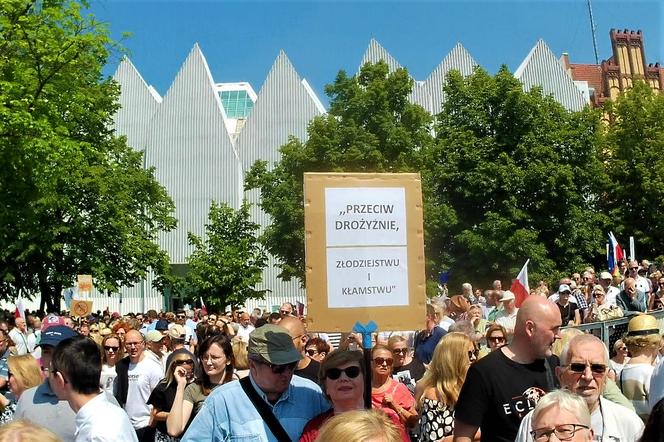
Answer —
(137, 376)
(501, 388)
(307, 367)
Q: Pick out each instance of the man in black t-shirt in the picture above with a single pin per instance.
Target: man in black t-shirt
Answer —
(505, 385)
(307, 367)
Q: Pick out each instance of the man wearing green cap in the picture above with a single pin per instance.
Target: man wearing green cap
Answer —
(230, 413)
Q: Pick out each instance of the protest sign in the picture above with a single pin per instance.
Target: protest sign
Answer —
(364, 250)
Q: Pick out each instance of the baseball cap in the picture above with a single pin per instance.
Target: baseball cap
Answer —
(507, 296)
(52, 320)
(154, 336)
(56, 334)
(564, 288)
(605, 275)
(177, 332)
(273, 344)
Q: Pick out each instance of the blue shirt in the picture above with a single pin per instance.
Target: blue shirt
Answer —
(425, 346)
(228, 413)
(4, 369)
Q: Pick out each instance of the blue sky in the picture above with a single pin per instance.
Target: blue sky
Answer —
(241, 39)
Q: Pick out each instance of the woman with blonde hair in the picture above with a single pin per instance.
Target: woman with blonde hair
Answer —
(241, 359)
(23, 373)
(359, 426)
(438, 391)
(112, 351)
(26, 431)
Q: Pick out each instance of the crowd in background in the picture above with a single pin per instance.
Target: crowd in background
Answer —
(161, 367)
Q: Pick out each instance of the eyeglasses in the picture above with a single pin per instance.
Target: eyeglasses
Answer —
(284, 313)
(335, 373)
(111, 348)
(311, 352)
(580, 367)
(133, 344)
(400, 351)
(381, 361)
(278, 369)
(562, 432)
(179, 362)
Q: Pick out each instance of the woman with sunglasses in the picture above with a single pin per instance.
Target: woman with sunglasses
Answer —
(342, 375)
(163, 395)
(215, 355)
(406, 368)
(621, 357)
(388, 394)
(496, 336)
(438, 391)
(23, 372)
(111, 353)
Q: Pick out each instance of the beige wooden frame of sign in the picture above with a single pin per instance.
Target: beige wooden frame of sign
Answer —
(364, 245)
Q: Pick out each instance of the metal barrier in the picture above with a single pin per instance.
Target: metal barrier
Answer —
(614, 329)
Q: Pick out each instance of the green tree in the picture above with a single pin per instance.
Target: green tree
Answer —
(225, 267)
(74, 197)
(370, 127)
(512, 175)
(634, 148)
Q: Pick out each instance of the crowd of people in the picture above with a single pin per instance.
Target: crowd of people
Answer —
(480, 368)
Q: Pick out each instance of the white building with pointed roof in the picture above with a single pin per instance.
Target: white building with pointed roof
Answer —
(204, 135)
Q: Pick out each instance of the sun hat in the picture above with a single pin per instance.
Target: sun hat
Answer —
(642, 325)
(507, 296)
(273, 344)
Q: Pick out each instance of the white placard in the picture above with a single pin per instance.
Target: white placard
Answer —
(367, 277)
(365, 216)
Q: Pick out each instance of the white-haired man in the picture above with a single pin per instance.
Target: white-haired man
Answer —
(583, 369)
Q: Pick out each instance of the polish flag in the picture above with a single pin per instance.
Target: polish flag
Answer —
(520, 285)
(20, 310)
(203, 308)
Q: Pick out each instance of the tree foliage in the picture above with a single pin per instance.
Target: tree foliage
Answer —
(634, 153)
(226, 266)
(74, 197)
(371, 127)
(512, 175)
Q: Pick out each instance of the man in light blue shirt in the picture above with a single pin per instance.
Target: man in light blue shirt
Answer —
(229, 413)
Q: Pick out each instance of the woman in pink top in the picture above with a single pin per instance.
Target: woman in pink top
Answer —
(387, 394)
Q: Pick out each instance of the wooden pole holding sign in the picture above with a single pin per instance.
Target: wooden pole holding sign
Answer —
(364, 250)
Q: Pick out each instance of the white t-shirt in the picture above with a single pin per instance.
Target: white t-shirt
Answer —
(100, 420)
(243, 333)
(507, 320)
(143, 377)
(20, 340)
(108, 375)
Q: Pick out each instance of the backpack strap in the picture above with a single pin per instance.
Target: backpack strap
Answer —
(264, 410)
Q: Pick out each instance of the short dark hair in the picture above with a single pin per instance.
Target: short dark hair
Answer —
(78, 359)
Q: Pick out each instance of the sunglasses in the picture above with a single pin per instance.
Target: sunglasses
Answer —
(623, 348)
(335, 373)
(496, 339)
(110, 347)
(278, 369)
(284, 312)
(400, 351)
(180, 316)
(580, 367)
(179, 362)
(381, 361)
(312, 352)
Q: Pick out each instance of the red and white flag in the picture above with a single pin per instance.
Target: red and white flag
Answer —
(520, 286)
(20, 310)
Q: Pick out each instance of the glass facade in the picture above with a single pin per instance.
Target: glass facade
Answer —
(237, 104)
